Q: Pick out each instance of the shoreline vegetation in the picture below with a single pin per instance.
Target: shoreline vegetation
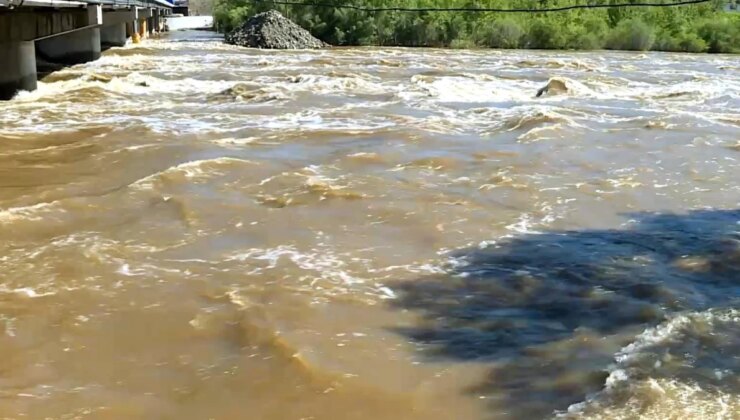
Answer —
(696, 28)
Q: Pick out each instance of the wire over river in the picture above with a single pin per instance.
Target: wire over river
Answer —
(476, 9)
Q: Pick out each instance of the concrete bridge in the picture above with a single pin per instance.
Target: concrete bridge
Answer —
(67, 32)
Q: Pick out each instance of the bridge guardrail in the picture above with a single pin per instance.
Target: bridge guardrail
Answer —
(82, 3)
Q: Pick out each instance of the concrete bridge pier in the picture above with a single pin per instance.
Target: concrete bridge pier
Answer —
(132, 24)
(152, 21)
(143, 28)
(155, 22)
(117, 27)
(113, 35)
(143, 21)
(160, 19)
(18, 69)
(79, 46)
(65, 32)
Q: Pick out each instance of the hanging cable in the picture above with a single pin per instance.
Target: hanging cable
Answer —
(475, 9)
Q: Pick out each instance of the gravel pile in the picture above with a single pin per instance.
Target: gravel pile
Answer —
(273, 31)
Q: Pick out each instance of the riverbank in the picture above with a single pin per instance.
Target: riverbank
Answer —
(695, 28)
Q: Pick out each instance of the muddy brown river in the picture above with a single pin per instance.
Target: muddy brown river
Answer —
(190, 230)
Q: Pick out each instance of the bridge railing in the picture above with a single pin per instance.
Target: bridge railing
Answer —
(79, 3)
(133, 3)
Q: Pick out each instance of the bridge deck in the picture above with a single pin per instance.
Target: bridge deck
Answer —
(65, 32)
(108, 4)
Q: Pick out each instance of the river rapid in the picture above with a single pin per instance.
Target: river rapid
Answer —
(191, 230)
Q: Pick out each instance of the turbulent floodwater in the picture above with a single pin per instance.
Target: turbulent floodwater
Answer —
(190, 230)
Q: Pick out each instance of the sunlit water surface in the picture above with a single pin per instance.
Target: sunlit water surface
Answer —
(191, 230)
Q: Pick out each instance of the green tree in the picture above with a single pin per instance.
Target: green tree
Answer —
(694, 28)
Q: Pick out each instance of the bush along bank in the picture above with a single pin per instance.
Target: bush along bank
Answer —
(694, 28)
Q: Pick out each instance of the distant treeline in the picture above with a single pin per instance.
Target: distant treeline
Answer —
(695, 28)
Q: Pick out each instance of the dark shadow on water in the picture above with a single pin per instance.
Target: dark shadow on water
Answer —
(548, 311)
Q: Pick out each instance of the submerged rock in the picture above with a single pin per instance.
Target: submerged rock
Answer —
(273, 31)
(554, 86)
(239, 90)
(95, 77)
(250, 92)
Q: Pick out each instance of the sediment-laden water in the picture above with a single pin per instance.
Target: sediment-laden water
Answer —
(190, 230)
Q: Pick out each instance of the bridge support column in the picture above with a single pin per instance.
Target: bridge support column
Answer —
(17, 68)
(113, 35)
(151, 22)
(143, 30)
(77, 47)
(132, 26)
(157, 20)
(143, 21)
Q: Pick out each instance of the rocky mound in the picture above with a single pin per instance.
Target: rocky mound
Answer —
(555, 86)
(273, 31)
(565, 86)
